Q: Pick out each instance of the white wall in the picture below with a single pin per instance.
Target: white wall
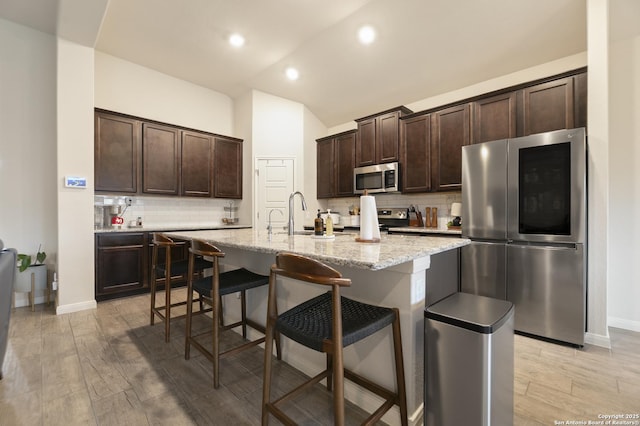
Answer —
(624, 185)
(313, 127)
(28, 142)
(278, 130)
(128, 88)
(74, 158)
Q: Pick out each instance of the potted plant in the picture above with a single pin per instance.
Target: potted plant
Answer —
(32, 275)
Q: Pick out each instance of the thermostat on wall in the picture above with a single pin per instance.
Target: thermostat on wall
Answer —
(75, 182)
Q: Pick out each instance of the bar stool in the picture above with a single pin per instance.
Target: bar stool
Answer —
(328, 323)
(177, 271)
(210, 290)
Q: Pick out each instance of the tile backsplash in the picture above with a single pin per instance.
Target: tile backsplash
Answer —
(165, 211)
(169, 211)
(440, 200)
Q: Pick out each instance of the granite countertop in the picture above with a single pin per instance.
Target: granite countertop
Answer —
(173, 227)
(424, 231)
(343, 250)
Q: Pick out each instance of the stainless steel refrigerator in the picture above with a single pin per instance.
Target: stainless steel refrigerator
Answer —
(524, 208)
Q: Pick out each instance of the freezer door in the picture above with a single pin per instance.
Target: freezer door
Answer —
(547, 286)
(547, 187)
(484, 190)
(483, 269)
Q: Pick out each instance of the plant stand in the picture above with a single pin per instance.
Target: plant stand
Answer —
(32, 279)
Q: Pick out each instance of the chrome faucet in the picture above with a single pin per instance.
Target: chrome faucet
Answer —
(304, 207)
(269, 227)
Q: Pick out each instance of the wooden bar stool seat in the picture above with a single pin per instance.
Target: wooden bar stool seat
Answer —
(210, 291)
(177, 270)
(328, 323)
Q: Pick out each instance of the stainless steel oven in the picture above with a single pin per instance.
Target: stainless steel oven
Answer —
(377, 178)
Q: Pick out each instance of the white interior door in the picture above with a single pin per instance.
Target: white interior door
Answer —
(274, 184)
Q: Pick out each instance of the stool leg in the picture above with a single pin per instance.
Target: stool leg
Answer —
(167, 306)
(216, 340)
(187, 339)
(330, 369)
(243, 302)
(397, 346)
(153, 295)
(266, 382)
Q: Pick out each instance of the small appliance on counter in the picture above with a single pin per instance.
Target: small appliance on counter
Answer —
(230, 220)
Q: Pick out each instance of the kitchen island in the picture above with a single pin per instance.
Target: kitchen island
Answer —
(393, 273)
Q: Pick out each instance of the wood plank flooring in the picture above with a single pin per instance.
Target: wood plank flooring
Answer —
(109, 367)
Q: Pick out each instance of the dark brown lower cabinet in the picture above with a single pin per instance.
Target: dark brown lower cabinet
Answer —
(122, 264)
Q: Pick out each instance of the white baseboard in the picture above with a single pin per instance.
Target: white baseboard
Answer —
(624, 323)
(76, 307)
(598, 340)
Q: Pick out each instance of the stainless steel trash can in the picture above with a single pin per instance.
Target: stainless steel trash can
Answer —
(468, 361)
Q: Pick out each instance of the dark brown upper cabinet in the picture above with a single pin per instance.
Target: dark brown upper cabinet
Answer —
(548, 106)
(580, 100)
(139, 156)
(450, 132)
(335, 162)
(197, 164)
(494, 118)
(117, 144)
(227, 168)
(325, 168)
(415, 153)
(378, 137)
(160, 159)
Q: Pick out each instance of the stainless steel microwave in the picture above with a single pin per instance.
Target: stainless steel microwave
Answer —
(375, 179)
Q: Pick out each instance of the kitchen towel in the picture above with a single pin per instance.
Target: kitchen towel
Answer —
(369, 229)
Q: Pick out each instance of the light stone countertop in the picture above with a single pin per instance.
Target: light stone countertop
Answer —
(342, 251)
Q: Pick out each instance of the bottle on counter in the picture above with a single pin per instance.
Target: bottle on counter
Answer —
(329, 223)
(318, 225)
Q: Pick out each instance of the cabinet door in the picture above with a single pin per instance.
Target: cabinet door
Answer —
(325, 151)
(160, 159)
(121, 264)
(494, 118)
(197, 164)
(580, 100)
(415, 148)
(227, 169)
(117, 143)
(366, 143)
(548, 106)
(388, 137)
(450, 134)
(345, 158)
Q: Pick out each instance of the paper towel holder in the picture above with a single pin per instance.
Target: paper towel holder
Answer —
(362, 240)
(373, 240)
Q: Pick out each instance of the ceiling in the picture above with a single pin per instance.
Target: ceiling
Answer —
(423, 47)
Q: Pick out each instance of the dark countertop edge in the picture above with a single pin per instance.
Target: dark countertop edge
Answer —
(423, 231)
(170, 228)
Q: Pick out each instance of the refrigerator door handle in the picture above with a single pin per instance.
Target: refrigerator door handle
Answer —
(547, 246)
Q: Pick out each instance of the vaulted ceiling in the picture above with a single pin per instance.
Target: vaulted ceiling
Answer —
(423, 47)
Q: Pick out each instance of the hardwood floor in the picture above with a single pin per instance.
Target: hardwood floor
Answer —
(109, 367)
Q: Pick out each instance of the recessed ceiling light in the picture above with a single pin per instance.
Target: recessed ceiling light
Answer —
(367, 34)
(292, 73)
(236, 40)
